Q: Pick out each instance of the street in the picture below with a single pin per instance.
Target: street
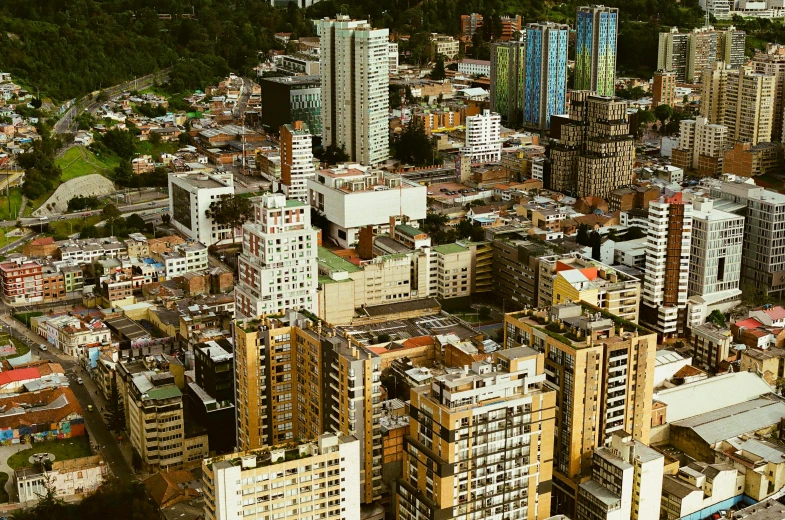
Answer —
(141, 208)
(86, 394)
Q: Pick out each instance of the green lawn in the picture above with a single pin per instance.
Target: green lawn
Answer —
(148, 148)
(7, 213)
(5, 240)
(79, 161)
(3, 495)
(21, 348)
(61, 229)
(63, 449)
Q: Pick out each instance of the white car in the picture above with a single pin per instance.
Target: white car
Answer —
(43, 347)
(79, 381)
(44, 218)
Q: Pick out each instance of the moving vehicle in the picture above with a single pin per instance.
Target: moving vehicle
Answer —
(79, 381)
(89, 408)
(43, 218)
(43, 347)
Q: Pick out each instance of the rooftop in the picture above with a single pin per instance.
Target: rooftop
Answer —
(714, 393)
(735, 420)
(333, 262)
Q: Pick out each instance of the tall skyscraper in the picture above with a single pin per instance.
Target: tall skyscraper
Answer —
(689, 54)
(277, 269)
(355, 96)
(713, 85)
(664, 305)
(297, 165)
(594, 151)
(596, 28)
(606, 161)
(715, 252)
(507, 75)
(772, 61)
(545, 80)
(749, 106)
(296, 380)
(762, 264)
(481, 442)
(601, 369)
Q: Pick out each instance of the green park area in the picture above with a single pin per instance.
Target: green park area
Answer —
(62, 449)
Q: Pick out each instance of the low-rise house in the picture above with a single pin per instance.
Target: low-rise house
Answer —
(698, 487)
(768, 364)
(185, 258)
(48, 414)
(67, 478)
(71, 334)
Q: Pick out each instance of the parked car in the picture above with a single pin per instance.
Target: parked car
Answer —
(43, 347)
(79, 381)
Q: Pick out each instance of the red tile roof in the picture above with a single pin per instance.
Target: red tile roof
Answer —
(45, 241)
(749, 323)
(20, 374)
(775, 313)
(38, 413)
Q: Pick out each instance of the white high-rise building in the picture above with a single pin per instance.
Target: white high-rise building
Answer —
(354, 65)
(626, 482)
(277, 269)
(190, 196)
(664, 305)
(483, 138)
(297, 163)
(715, 260)
(308, 480)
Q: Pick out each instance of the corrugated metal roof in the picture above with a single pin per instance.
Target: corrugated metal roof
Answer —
(735, 420)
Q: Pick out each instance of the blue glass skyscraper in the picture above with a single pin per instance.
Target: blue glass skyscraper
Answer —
(595, 49)
(545, 83)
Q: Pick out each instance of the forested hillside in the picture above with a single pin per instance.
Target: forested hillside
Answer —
(67, 48)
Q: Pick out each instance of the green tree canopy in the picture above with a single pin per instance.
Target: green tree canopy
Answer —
(230, 211)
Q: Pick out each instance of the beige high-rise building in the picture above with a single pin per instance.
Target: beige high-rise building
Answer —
(297, 481)
(749, 106)
(296, 381)
(701, 146)
(481, 442)
(772, 61)
(602, 370)
(714, 83)
(663, 88)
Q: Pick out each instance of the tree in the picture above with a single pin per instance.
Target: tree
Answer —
(115, 412)
(663, 113)
(437, 72)
(230, 211)
(166, 218)
(135, 223)
(484, 313)
(413, 145)
(383, 338)
(595, 240)
(583, 235)
(80, 202)
(716, 317)
(334, 155)
(121, 142)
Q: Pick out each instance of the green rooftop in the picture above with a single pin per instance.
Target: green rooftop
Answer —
(163, 392)
(293, 203)
(333, 262)
(447, 249)
(409, 231)
(326, 279)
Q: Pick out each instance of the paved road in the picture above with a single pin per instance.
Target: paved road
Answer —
(68, 118)
(99, 433)
(141, 208)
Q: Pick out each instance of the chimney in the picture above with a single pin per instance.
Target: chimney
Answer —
(392, 226)
(365, 243)
(298, 125)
